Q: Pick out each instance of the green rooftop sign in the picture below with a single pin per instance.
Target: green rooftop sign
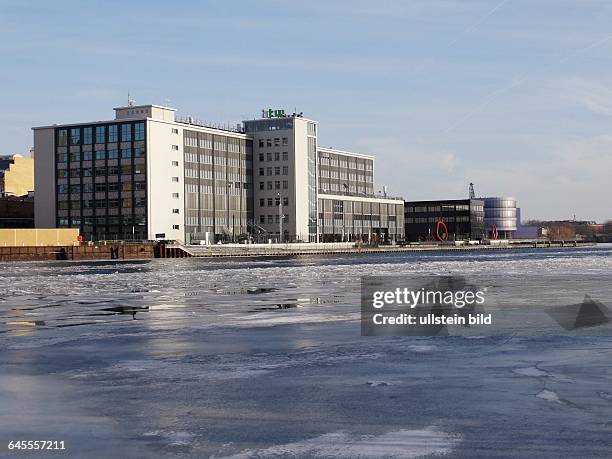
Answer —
(273, 113)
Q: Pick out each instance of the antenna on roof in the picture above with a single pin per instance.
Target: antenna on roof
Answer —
(130, 101)
(472, 193)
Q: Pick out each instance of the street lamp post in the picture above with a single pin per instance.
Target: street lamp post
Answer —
(280, 218)
(229, 187)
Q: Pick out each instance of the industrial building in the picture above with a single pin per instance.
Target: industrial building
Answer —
(148, 174)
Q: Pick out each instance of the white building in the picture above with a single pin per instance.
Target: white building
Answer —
(148, 175)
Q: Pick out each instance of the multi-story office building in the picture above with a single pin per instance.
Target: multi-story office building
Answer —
(148, 175)
(463, 219)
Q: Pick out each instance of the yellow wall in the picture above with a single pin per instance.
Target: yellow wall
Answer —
(33, 237)
(19, 178)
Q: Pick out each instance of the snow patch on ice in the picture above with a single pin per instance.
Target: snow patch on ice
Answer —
(422, 347)
(378, 383)
(173, 438)
(531, 371)
(549, 396)
(338, 445)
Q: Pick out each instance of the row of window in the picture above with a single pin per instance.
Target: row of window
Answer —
(273, 218)
(459, 219)
(277, 170)
(101, 203)
(125, 169)
(276, 142)
(101, 134)
(274, 185)
(101, 155)
(101, 187)
(276, 202)
(346, 176)
(440, 208)
(102, 220)
(335, 162)
(276, 155)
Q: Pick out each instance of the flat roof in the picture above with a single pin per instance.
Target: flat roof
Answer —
(344, 152)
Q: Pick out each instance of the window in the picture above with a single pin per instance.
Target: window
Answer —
(113, 154)
(126, 132)
(100, 155)
(269, 171)
(62, 137)
(175, 163)
(277, 156)
(87, 155)
(261, 171)
(262, 219)
(100, 171)
(100, 187)
(277, 185)
(62, 157)
(270, 218)
(277, 201)
(99, 134)
(285, 170)
(86, 172)
(285, 184)
(126, 170)
(269, 202)
(113, 170)
(112, 133)
(286, 218)
(285, 201)
(75, 156)
(269, 142)
(87, 136)
(261, 185)
(261, 202)
(141, 202)
(285, 141)
(175, 195)
(125, 186)
(268, 156)
(75, 172)
(175, 147)
(62, 189)
(126, 153)
(175, 227)
(75, 136)
(269, 185)
(139, 131)
(140, 186)
(175, 211)
(276, 142)
(175, 179)
(126, 203)
(87, 187)
(139, 152)
(261, 156)
(139, 169)
(277, 170)
(261, 143)
(174, 131)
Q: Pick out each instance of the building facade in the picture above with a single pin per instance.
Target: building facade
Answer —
(500, 217)
(149, 175)
(16, 175)
(463, 219)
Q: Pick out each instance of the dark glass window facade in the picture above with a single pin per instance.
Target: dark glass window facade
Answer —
(100, 188)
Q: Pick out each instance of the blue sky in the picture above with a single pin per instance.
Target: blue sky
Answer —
(515, 95)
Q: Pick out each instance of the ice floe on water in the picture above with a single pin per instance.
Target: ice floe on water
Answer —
(404, 443)
(549, 396)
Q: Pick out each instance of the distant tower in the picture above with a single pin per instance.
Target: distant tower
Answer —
(472, 193)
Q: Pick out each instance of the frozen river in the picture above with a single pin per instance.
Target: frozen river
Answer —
(263, 358)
